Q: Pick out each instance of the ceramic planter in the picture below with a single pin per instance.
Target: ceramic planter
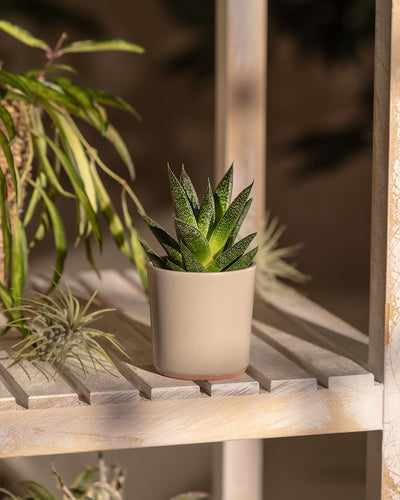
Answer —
(201, 322)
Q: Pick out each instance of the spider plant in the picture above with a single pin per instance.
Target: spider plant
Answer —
(60, 329)
(101, 482)
(206, 233)
(44, 154)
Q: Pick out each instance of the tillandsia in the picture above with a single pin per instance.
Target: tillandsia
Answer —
(43, 153)
(61, 329)
(101, 482)
(207, 231)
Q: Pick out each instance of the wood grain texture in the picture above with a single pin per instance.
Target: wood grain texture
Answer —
(275, 371)
(184, 421)
(230, 387)
(330, 369)
(7, 400)
(385, 249)
(32, 387)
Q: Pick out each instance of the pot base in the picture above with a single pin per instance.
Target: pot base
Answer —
(200, 377)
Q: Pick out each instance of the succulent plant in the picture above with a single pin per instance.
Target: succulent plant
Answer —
(207, 231)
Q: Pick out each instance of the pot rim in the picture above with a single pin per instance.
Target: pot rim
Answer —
(218, 273)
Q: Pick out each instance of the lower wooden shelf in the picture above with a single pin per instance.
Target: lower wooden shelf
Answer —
(298, 383)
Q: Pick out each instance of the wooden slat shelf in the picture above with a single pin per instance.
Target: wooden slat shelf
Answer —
(292, 386)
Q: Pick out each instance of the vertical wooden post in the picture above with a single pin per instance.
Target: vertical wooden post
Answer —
(383, 467)
(240, 107)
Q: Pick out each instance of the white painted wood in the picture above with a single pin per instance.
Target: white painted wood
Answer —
(385, 252)
(32, 387)
(275, 372)
(230, 387)
(238, 470)
(330, 369)
(184, 421)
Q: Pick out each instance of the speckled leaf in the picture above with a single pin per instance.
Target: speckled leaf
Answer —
(228, 221)
(194, 241)
(183, 207)
(206, 217)
(192, 265)
(230, 255)
(187, 185)
(238, 225)
(155, 259)
(174, 267)
(165, 240)
(223, 193)
(243, 261)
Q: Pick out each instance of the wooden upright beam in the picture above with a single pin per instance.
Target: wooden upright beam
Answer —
(383, 478)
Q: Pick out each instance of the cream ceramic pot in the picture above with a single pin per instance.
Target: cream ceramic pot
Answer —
(201, 322)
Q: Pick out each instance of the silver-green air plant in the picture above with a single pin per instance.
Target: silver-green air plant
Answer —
(61, 330)
(45, 154)
(206, 232)
(101, 482)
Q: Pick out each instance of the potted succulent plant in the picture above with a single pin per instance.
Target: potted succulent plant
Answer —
(201, 291)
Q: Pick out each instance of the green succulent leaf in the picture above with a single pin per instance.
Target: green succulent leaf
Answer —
(19, 258)
(4, 223)
(6, 118)
(174, 267)
(165, 239)
(38, 491)
(187, 185)
(183, 207)
(15, 177)
(238, 225)
(194, 240)
(223, 193)
(22, 35)
(16, 82)
(155, 259)
(206, 217)
(192, 265)
(94, 46)
(243, 261)
(228, 221)
(230, 255)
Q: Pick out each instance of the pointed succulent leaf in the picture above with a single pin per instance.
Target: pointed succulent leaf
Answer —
(174, 267)
(165, 240)
(228, 221)
(155, 259)
(183, 207)
(223, 194)
(206, 217)
(192, 265)
(22, 35)
(7, 120)
(187, 185)
(238, 225)
(95, 46)
(194, 240)
(229, 256)
(243, 261)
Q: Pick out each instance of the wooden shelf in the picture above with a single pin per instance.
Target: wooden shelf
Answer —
(292, 387)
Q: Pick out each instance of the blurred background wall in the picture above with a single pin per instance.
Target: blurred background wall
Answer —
(318, 179)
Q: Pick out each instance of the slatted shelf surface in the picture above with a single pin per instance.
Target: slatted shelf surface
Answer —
(293, 386)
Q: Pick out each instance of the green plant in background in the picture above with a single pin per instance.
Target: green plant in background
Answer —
(60, 329)
(206, 232)
(101, 482)
(43, 153)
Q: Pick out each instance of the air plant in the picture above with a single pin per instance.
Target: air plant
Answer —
(60, 329)
(206, 233)
(99, 482)
(44, 154)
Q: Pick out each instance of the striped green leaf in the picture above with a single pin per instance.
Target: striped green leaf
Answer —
(15, 82)
(165, 239)
(83, 480)
(194, 240)
(19, 258)
(4, 223)
(15, 177)
(192, 265)
(228, 221)
(116, 140)
(187, 185)
(37, 491)
(243, 261)
(182, 205)
(48, 94)
(229, 256)
(206, 217)
(114, 101)
(6, 118)
(223, 194)
(94, 46)
(238, 225)
(77, 93)
(49, 69)
(22, 35)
